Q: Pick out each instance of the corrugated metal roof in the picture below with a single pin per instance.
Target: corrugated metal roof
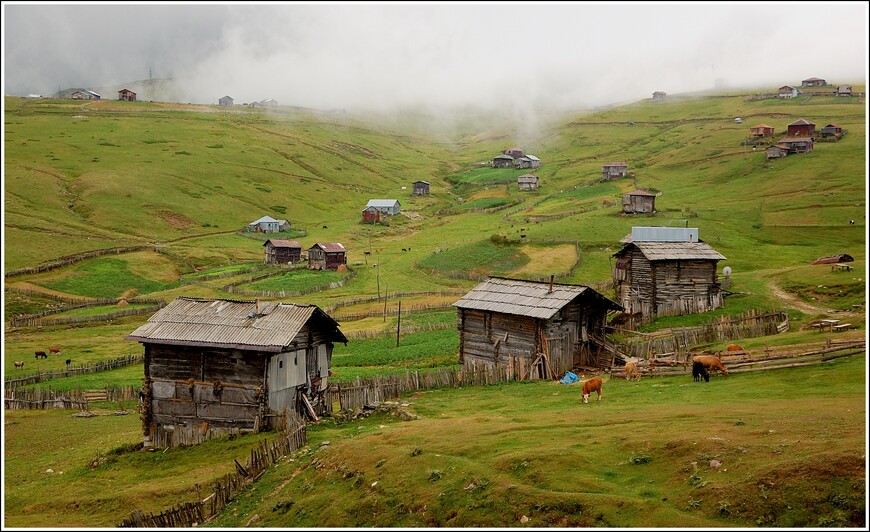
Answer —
(283, 243)
(382, 203)
(532, 157)
(332, 247)
(219, 322)
(524, 298)
(801, 122)
(677, 251)
(640, 193)
(664, 234)
(267, 219)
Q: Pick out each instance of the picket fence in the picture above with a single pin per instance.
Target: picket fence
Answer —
(79, 399)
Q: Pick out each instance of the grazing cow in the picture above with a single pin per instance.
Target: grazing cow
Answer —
(68, 362)
(19, 363)
(40, 354)
(592, 385)
(710, 363)
(733, 347)
(631, 371)
(403, 249)
(325, 227)
(54, 350)
(699, 372)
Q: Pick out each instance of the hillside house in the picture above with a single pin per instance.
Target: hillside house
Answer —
(527, 161)
(527, 182)
(659, 96)
(84, 94)
(515, 153)
(282, 251)
(801, 128)
(126, 95)
(813, 82)
(216, 367)
(226, 101)
(831, 130)
(797, 144)
(638, 202)
(390, 207)
(761, 130)
(502, 161)
(372, 215)
(787, 91)
(330, 256)
(421, 188)
(666, 271)
(535, 330)
(267, 224)
(776, 151)
(844, 90)
(613, 170)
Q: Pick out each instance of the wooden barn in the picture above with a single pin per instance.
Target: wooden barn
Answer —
(527, 182)
(372, 215)
(787, 91)
(226, 101)
(126, 95)
(502, 161)
(282, 251)
(831, 130)
(389, 207)
(844, 90)
(535, 330)
(813, 82)
(797, 144)
(514, 153)
(776, 151)
(638, 202)
(666, 271)
(216, 367)
(659, 96)
(761, 130)
(613, 170)
(801, 128)
(326, 256)
(527, 161)
(421, 188)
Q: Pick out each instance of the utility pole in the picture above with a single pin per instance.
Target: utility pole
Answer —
(399, 323)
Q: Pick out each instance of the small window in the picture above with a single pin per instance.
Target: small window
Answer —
(295, 360)
(234, 361)
(280, 364)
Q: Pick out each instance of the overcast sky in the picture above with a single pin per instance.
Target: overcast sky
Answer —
(386, 56)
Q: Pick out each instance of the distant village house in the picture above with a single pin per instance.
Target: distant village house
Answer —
(787, 91)
(831, 130)
(215, 367)
(226, 101)
(659, 96)
(282, 251)
(801, 128)
(666, 271)
(776, 151)
(638, 202)
(536, 330)
(267, 224)
(813, 82)
(331, 256)
(797, 144)
(527, 161)
(126, 95)
(761, 130)
(613, 170)
(84, 94)
(527, 182)
(844, 90)
(421, 188)
(515, 153)
(389, 207)
(502, 161)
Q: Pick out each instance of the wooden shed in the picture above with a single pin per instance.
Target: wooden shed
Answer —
(421, 188)
(502, 161)
(527, 182)
(214, 367)
(126, 95)
(787, 91)
(831, 130)
(282, 251)
(666, 271)
(329, 256)
(613, 170)
(776, 151)
(761, 130)
(226, 101)
(371, 215)
(638, 202)
(844, 90)
(801, 128)
(797, 144)
(659, 96)
(534, 330)
(813, 82)
(527, 161)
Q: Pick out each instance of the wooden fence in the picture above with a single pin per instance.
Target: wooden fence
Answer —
(42, 399)
(233, 287)
(40, 322)
(409, 309)
(191, 514)
(394, 295)
(771, 357)
(73, 370)
(71, 259)
(23, 319)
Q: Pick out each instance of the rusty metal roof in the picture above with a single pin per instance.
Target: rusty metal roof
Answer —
(330, 247)
(801, 122)
(675, 251)
(525, 298)
(246, 325)
(283, 243)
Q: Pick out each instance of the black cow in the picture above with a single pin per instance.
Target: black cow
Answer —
(699, 372)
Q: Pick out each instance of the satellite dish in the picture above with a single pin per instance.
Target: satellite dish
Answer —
(727, 271)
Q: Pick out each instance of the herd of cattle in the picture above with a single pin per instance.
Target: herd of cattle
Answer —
(702, 365)
(42, 354)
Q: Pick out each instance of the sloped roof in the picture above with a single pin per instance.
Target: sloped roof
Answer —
(640, 193)
(526, 298)
(382, 203)
(503, 156)
(814, 79)
(654, 251)
(232, 324)
(264, 219)
(332, 247)
(527, 177)
(278, 243)
(801, 122)
(531, 157)
(615, 164)
(761, 125)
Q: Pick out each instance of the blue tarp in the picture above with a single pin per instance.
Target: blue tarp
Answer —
(569, 378)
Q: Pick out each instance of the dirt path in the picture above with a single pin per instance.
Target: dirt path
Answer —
(793, 302)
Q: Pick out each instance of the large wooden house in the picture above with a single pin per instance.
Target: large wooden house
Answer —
(331, 256)
(761, 130)
(666, 271)
(532, 330)
(214, 367)
(801, 128)
(638, 202)
(282, 251)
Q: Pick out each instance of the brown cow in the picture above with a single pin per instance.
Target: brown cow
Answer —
(631, 371)
(710, 363)
(54, 350)
(39, 354)
(19, 363)
(592, 385)
(734, 347)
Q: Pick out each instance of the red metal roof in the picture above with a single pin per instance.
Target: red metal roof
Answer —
(283, 243)
(330, 247)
